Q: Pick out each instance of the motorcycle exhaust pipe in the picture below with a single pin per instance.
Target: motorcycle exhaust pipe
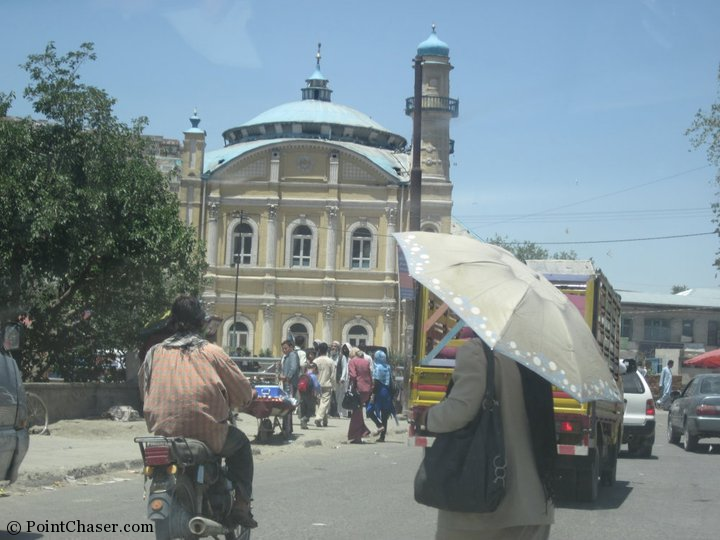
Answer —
(201, 526)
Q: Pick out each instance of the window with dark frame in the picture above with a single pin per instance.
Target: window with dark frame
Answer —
(299, 329)
(301, 246)
(712, 335)
(626, 327)
(361, 248)
(657, 330)
(687, 328)
(242, 244)
(238, 337)
(358, 336)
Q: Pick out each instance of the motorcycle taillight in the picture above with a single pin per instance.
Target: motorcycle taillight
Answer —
(157, 455)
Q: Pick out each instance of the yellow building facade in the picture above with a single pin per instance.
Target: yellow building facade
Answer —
(297, 211)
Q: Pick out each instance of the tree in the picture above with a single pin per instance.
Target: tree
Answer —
(91, 244)
(525, 250)
(705, 132)
(679, 288)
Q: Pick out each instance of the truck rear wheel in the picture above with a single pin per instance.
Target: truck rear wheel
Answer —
(588, 480)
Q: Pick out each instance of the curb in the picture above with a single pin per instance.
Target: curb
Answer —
(45, 478)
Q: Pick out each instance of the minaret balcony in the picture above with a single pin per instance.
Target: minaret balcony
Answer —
(434, 103)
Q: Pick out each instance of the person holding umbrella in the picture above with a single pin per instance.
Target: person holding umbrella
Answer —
(526, 512)
(538, 339)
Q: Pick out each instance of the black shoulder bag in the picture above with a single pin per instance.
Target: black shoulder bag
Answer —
(464, 470)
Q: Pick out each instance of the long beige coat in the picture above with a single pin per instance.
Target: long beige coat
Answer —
(524, 502)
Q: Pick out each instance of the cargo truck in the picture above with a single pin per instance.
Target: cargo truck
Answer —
(588, 434)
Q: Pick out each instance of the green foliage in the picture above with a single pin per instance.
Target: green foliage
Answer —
(265, 353)
(525, 251)
(91, 244)
(5, 103)
(705, 132)
(679, 288)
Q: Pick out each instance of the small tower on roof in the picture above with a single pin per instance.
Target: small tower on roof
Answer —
(193, 148)
(317, 84)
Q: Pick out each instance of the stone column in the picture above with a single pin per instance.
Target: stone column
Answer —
(331, 247)
(189, 208)
(328, 317)
(212, 239)
(390, 249)
(271, 236)
(333, 169)
(388, 318)
(267, 328)
(275, 168)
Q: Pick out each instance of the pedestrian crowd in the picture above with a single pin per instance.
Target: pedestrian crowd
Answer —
(320, 376)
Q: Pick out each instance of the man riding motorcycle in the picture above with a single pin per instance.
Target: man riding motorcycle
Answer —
(189, 387)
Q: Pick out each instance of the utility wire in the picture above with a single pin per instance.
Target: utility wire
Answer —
(611, 215)
(597, 197)
(617, 241)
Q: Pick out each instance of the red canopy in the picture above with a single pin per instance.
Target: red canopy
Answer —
(710, 359)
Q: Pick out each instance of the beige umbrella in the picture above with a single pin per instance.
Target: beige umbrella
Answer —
(515, 310)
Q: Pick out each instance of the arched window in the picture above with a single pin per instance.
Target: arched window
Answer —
(242, 244)
(238, 339)
(361, 248)
(241, 238)
(302, 239)
(358, 336)
(299, 329)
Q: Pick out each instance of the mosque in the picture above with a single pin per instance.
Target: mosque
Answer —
(298, 208)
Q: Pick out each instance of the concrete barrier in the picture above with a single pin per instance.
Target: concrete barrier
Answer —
(66, 400)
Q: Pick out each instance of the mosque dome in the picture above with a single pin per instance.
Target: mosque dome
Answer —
(433, 46)
(317, 117)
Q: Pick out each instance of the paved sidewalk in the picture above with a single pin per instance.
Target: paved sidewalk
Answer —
(79, 448)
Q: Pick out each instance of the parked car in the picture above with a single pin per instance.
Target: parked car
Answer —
(639, 416)
(695, 412)
(14, 436)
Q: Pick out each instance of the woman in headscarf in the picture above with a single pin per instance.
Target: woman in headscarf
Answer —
(380, 407)
(360, 381)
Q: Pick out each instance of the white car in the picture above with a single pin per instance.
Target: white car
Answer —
(639, 416)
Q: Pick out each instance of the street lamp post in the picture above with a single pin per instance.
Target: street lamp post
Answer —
(236, 259)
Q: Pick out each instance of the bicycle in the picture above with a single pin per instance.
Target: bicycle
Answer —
(37, 414)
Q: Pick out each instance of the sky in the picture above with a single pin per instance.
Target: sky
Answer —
(573, 113)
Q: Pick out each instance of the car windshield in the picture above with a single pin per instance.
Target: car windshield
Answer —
(632, 383)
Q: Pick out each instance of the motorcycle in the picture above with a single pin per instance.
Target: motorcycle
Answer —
(190, 495)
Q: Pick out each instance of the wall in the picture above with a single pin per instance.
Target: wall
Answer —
(84, 400)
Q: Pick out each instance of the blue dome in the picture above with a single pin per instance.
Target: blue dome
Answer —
(433, 46)
(320, 112)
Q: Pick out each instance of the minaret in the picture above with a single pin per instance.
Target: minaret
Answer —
(193, 148)
(437, 109)
(317, 85)
(192, 189)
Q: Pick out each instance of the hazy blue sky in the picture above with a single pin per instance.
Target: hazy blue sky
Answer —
(572, 112)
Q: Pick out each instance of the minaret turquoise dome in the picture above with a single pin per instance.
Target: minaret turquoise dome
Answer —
(433, 46)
